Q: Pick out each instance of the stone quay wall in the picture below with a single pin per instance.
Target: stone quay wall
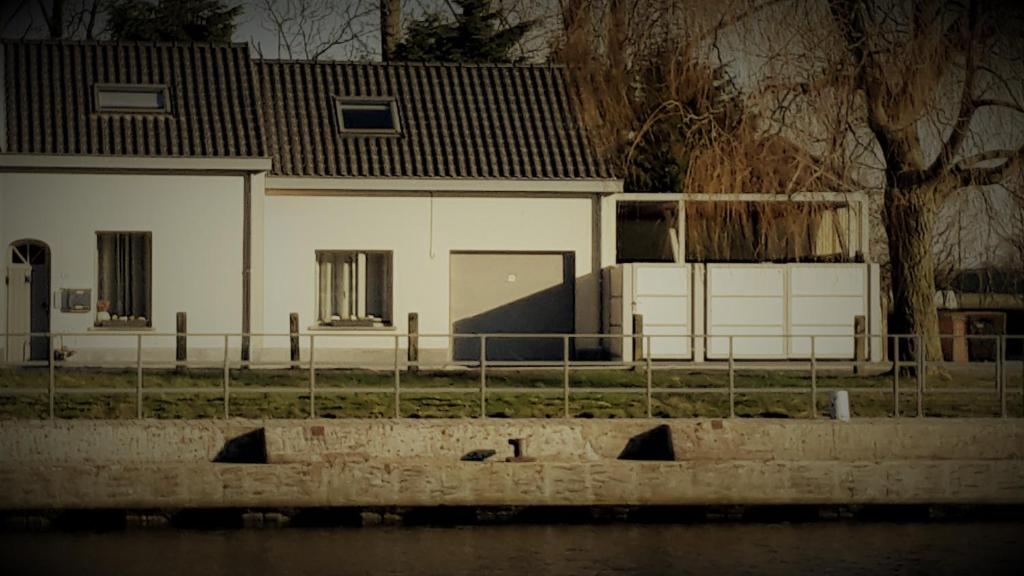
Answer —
(342, 463)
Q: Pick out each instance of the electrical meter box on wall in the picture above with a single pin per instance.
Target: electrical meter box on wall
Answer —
(75, 299)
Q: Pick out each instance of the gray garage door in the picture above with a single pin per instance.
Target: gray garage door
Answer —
(512, 293)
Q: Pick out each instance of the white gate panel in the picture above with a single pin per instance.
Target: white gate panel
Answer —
(747, 301)
(824, 299)
(667, 344)
(661, 294)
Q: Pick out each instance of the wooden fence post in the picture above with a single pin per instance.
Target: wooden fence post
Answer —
(638, 339)
(181, 343)
(859, 343)
(414, 342)
(293, 337)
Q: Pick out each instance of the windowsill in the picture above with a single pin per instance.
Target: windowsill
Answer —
(122, 328)
(330, 328)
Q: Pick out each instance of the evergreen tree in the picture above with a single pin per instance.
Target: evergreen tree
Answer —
(476, 35)
(173, 20)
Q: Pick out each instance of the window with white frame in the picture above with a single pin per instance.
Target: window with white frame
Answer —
(129, 98)
(353, 288)
(124, 273)
(367, 116)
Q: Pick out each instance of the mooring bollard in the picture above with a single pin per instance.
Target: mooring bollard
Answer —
(839, 405)
(518, 451)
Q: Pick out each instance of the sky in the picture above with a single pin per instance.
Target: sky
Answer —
(358, 20)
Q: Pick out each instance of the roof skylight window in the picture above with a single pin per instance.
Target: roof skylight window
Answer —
(367, 116)
(131, 98)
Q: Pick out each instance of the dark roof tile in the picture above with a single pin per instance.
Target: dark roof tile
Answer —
(50, 91)
(456, 121)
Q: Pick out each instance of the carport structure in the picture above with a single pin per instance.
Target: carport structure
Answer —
(767, 270)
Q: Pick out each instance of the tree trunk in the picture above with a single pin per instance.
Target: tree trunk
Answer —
(390, 27)
(55, 19)
(910, 221)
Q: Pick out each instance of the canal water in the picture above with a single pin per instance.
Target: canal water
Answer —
(719, 549)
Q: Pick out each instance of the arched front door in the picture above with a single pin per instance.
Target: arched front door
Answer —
(28, 300)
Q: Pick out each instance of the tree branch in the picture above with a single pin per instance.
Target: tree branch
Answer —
(972, 175)
(999, 104)
(725, 22)
(850, 18)
(951, 147)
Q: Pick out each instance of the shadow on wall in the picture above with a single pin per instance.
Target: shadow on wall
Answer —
(548, 311)
(249, 448)
(655, 444)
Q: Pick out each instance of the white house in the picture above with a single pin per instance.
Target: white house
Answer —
(139, 180)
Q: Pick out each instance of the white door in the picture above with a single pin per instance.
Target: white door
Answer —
(19, 311)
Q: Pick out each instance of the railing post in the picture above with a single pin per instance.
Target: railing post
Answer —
(312, 377)
(1001, 372)
(920, 351)
(138, 376)
(638, 339)
(565, 375)
(227, 379)
(814, 380)
(650, 373)
(896, 377)
(483, 376)
(859, 343)
(398, 382)
(732, 382)
(52, 384)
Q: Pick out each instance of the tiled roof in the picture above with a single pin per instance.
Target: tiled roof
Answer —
(50, 91)
(456, 121)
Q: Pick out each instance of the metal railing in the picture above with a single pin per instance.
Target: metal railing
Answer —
(907, 364)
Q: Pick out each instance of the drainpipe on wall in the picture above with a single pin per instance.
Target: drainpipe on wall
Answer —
(246, 264)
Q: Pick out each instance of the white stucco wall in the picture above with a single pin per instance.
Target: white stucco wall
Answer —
(196, 226)
(3, 285)
(422, 232)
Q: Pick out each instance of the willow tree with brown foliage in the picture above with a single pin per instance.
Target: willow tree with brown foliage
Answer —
(903, 60)
(669, 118)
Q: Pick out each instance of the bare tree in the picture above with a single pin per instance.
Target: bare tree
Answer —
(313, 29)
(53, 15)
(921, 98)
(390, 27)
(56, 19)
(902, 57)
